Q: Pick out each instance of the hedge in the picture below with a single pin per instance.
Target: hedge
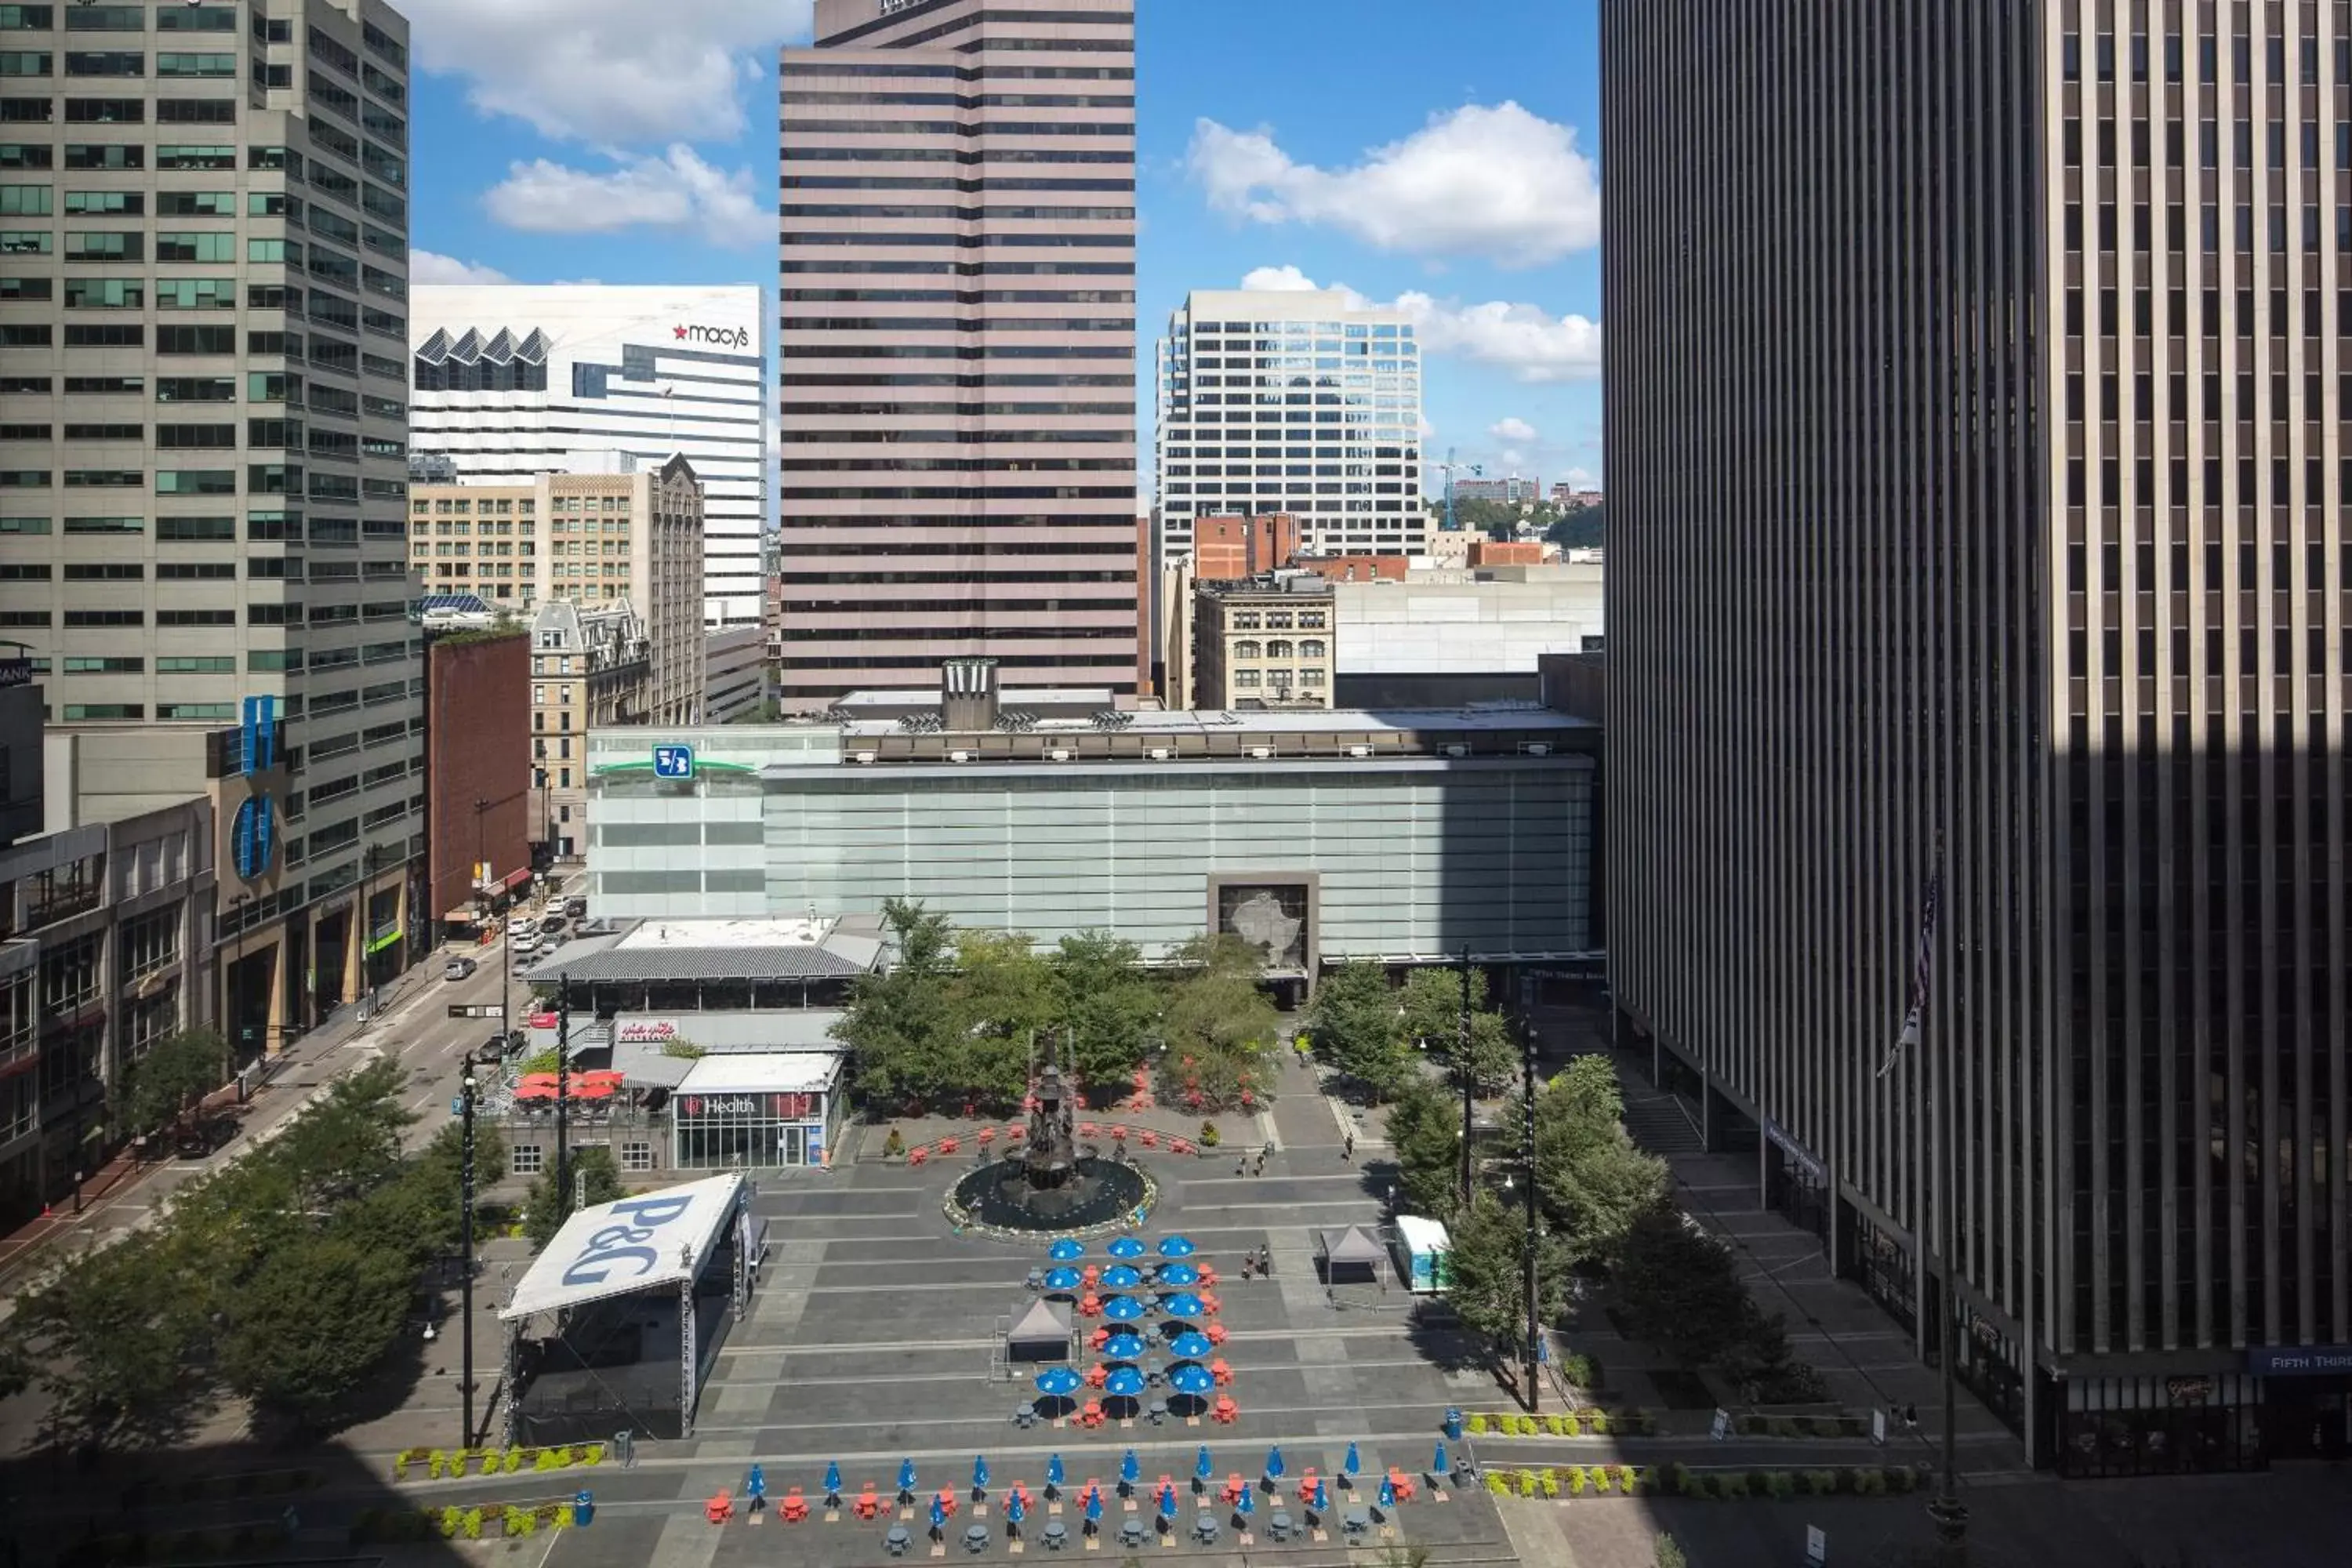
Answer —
(451, 1464)
(1590, 1422)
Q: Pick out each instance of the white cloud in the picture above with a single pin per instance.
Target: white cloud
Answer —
(595, 69)
(431, 267)
(1577, 475)
(1527, 341)
(677, 190)
(1515, 431)
(1500, 183)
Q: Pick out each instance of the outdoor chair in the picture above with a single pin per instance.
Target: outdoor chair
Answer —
(1307, 1485)
(868, 1504)
(719, 1508)
(1096, 1376)
(1402, 1484)
(1221, 1372)
(795, 1509)
(1234, 1487)
(1092, 1416)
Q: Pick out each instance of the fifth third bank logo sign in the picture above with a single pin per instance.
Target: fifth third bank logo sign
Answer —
(717, 337)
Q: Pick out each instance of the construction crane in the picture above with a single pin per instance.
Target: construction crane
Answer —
(1451, 470)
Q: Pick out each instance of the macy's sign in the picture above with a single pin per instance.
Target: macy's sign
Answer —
(718, 337)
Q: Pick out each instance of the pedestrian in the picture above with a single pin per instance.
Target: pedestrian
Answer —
(1911, 1418)
(1241, 1164)
(1348, 1149)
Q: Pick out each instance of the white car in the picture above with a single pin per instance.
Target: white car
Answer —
(526, 942)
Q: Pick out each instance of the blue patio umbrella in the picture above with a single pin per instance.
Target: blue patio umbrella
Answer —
(1120, 1277)
(1167, 1499)
(980, 1473)
(1176, 1247)
(1065, 1279)
(1066, 1250)
(1203, 1467)
(1183, 1305)
(1438, 1465)
(1094, 1504)
(1387, 1492)
(833, 1478)
(1124, 1383)
(1053, 1471)
(1122, 1346)
(1124, 1309)
(1130, 1470)
(1190, 1378)
(1353, 1462)
(756, 1483)
(1125, 1248)
(938, 1513)
(1015, 1510)
(1246, 1504)
(906, 1475)
(1179, 1274)
(1322, 1503)
(1273, 1463)
(1191, 1346)
(1059, 1382)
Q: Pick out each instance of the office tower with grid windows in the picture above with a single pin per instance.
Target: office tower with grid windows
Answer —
(203, 257)
(1977, 471)
(1296, 401)
(958, 346)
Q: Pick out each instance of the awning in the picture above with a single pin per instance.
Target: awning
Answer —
(514, 879)
(644, 1242)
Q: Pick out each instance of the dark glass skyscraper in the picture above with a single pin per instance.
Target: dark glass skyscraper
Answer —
(1978, 473)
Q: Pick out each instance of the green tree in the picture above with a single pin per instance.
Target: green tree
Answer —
(596, 1180)
(1432, 999)
(1487, 1249)
(428, 1202)
(1003, 998)
(1594, 1182)
(901, 1025)
(1218, 1026)
(1585, 527)
(175, 1074)
(1678, 1287)
(308, 1326)
(1424, 1128)
(347, 1144)
(117, 1344)
(15, 1368)
(1356, 1025)
(1106, 1002)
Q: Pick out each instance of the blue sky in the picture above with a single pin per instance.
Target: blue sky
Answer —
(1407, 151)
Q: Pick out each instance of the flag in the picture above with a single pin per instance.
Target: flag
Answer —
(1923, 968)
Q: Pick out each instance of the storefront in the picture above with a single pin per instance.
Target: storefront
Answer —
(756, 1112)
(1882, 1265)
(2161, 1426)
(2308, 1399)
(1796, 1185)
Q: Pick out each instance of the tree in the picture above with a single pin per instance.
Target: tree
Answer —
(1108, 1004)
(1487, 1251)
(117, 1344)
(1678, 1288)
(1494, 1056)
(1424, 1128)
(348, 1142)
(1355, 1020)
(900, 1025)
(431, 1193)
(1594, 1182)
(309, 1325)
(1583, 528)
(175, 1074)
(595, 1179)
(1002, 998)
(1432, 999)
(1214, 1002)
(16, 1369)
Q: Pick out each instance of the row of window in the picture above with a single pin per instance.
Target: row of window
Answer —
(190, 16)
(2209, 59)
(117, 63)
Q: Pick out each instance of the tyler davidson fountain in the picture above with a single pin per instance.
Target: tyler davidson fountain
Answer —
(1050, 1183)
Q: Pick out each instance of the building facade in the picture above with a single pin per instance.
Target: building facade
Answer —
(735, 674)
(590, 666)
(1264, 643)
(511, 381)
(1296, 401)
(202, 465)
(1225, 549)
(1155, 829)
(1509, 491)
(1998, 525)
(477, 792)
(1485, 628)
(958, 315)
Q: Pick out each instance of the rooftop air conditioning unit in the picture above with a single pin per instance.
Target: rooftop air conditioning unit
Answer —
(867, 758)
(1456, 750)
(1359, 750)
(1161, 754)
(1539, 748)
(1059, 756)
(1261, 753)
(959, 757)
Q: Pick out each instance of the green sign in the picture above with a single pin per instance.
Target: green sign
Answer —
(386, 940)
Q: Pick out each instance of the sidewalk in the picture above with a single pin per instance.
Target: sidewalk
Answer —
(126, 1195)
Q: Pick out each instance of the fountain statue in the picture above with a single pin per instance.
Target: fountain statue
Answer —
(1052, 1183)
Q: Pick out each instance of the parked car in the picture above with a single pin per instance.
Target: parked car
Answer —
(526, 943)
(553, 924)
(492, 1051)
(575, 907)
(198, 1140)
(459, 968)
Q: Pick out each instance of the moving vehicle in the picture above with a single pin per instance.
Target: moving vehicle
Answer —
(459, 968)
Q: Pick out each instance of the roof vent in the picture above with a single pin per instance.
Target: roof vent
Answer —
(1161, 754)
(959, 757)
(1454, 751)
(1359, 750)
(1261, 753)
(1059, 756)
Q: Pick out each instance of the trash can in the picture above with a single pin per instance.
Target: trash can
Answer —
(1452, 1424)
(583, 1507)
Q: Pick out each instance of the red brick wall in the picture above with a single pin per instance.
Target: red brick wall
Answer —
(1356, 568)
(1227, 549)
(477, 748)
(1506, 552)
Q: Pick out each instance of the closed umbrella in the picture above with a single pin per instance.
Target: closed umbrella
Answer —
(1273, 1463)
(1120, 1277)
(1124, 1383)
(1167, 1499)
(1053, 1473)
(1387, 1492)
(1190, 1378)
(980, 1473)
(1122, 1347)
(1126, 1247)
(938, 1514)
(833, 1478)
(1059, 1382)
(1183, 1305)
(1246, 1504)
(1064, 1250)
(1176, 1247)
(1063, 1279)
(906, 1475)
(1203, 1466)
(1124, 1309)
(1322, 1503)
(1015, 1509)
(1191, 1346)
(1130, 1470)
(1438, 1466)
(1352, 1463)
(1093, 1505)
(1179, 1274)
(756, 1483)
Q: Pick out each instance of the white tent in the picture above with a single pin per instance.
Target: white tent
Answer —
(642, 1243)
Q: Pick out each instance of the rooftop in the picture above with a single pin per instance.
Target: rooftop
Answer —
(718, 951)
(790, 1072)
(1495, 718)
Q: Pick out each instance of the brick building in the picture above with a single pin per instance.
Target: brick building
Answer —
(478, 767)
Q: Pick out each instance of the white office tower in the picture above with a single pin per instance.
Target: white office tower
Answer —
(512, 380)
(1291, 401)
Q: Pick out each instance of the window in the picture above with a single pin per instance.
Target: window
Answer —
(178, 339)
(179, 65)
(106, 335)
(105, 294)
(196, 389)
(26, 201)
(194, 247)
(195, 481)
(105, 62)
(107, 155)
(196, 294)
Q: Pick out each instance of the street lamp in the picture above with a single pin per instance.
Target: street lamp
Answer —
(1528, 1160)
(466, 1244)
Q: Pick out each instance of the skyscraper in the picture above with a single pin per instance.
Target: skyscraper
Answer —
(204, 263)
(958, 353)
(1298, 401)
(1977, 468)
(513, 380)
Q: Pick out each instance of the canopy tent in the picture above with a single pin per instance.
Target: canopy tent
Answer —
(1353, 1255)
(667, 1234)
(1041, 1332)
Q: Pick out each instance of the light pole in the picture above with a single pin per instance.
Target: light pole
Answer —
(1528, 1163)
(563, 1098)
(1469, 1084)
(1950, 1514)
(466, 1266)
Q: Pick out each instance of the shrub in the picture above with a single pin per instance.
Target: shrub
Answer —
(544, 1460)
(1751, 1425)
(1781, 1485)
(894, 1145)
(1476, 1423)
(434, 1463)
(400, 1466)
(1551, 1482)
(1820, 1483)
(1576, 1481)
(472, 1524)
(1682, 1481)
(1530, 1427)
(1666, 1554)
(1210, 1136)
(1556, 1425)
(513, 1460)
(592, 1455)
(517, 1520)
(1598, 1421)
(1528, 1483)
(1731, 1485)
(1579, 1371)
(1496, 1484)
(1598, 1475)
(1902, 1479)
(451, 1523)
(1872, 1483)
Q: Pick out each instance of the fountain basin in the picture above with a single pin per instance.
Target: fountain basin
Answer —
(1002, 1199)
